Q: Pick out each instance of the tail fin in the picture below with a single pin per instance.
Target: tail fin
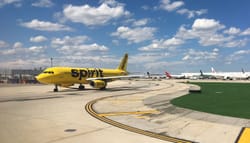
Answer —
(123, 63)
(168, 75)
(201, 72)
(243, 71)
(213, 70)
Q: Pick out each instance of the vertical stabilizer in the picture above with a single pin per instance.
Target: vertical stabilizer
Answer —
(123, 63)
(213, 70)
(243, 71)
(168, 74)
(201, 73)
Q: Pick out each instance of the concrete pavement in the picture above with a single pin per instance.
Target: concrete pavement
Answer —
(36, 114)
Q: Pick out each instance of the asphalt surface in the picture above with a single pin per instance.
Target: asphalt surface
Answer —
(33, 113)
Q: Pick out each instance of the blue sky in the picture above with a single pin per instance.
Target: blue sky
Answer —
(159, 35)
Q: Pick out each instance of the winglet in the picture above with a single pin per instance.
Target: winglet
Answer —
(123, 63)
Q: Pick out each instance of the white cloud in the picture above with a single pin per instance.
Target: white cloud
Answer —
(207, 24)
(216, 39)
(152, 61)
(25, 63)
(145, 7)
(92, 16)
(208, 32)
(37, 39)
(191, 13)
(36, 49)
(163, 65)
(215, 50)
(167, 5)
(206, 37)
(193, 55)
(237, 56)
(176, 6)
(110, 2)
(78, 54)
(17, 50)
(232, 31)
(76, 46)
(146, 57)
(173, 42)
(236, 43)
(135, 35)
(43, 3)
(67, 40)
(17, 45)
(81, 50)
(246, 32)
(45, 26)
(3, 44)
(169, 44)
(141, 22)
(88, 60)
(6, 2)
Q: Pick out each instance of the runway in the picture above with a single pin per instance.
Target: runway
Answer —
(36, 114)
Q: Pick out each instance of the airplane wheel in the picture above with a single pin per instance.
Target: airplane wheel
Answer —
(55, 89)
(81, 87)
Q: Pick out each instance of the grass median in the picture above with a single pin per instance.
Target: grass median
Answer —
(229, 99)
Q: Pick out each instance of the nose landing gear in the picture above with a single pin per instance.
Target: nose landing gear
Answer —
(56, 88)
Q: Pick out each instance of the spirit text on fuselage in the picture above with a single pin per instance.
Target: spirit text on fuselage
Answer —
(86, 73)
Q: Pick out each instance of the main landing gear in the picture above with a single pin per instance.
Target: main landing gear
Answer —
(81, 87)
(56, 88)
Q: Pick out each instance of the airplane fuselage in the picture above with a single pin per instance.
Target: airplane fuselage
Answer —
(71, 75)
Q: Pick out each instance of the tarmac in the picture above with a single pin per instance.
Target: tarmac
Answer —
(128, 111)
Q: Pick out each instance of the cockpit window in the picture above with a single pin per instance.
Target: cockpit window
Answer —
(49, 72)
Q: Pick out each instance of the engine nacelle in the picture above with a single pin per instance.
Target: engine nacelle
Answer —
(98, 84)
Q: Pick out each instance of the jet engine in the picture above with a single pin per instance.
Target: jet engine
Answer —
(98, 84)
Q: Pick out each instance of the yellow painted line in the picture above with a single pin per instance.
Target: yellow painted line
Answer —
(244, 136)
(142, 117)
(129, 113)
(91, 111)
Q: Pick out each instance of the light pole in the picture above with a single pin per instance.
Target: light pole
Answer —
(51, 62)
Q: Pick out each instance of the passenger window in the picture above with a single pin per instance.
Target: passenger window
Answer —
(49, 72)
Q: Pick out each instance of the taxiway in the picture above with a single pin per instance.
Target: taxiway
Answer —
(128, 111)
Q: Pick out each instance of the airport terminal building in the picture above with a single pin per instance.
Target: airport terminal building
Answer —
(19, 75)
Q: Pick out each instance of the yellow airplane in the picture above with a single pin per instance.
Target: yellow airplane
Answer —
(96, 77)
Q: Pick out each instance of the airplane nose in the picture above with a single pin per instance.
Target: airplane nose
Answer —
(41, 78)
(38, 78)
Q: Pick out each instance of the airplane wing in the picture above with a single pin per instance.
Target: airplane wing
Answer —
(110, 78)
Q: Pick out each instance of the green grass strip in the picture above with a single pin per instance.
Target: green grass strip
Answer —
(229, 99)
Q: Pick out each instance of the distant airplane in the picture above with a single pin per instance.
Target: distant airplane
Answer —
(195, 75)
(180, 76)
(228, 75)
(155, 76)
(206, 75)
(96, 77)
